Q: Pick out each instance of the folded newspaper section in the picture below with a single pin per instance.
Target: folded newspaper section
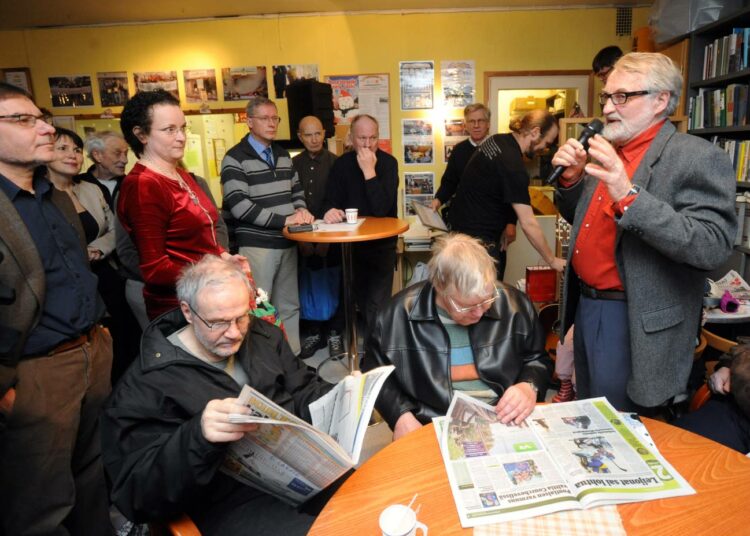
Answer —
(292, 460)
(564, 456)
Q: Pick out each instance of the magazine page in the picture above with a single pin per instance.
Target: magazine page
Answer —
(344, 412)
(285, 457)
(498, 472)
(604, 460)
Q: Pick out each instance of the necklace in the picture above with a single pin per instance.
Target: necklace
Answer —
(177, 177)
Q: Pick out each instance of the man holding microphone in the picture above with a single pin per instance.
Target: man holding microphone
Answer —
(651, 213)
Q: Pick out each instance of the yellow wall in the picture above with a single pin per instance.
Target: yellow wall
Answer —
(338, 44)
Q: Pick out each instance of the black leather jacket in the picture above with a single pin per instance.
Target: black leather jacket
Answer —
(508, 346)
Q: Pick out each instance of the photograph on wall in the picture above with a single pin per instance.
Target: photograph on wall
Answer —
(200, 85)
(454, 134)
(425, 200)
(422, 183)
(416, 136)
(242, 83)
(73, 90)
(417, 80)
(151, 80)
(283, 75)
(364, 93)
(113, 88)
(457, 78)
(19, 77)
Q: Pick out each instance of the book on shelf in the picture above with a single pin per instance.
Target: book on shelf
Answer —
(726, 54)
(739, 154)
(722, 107)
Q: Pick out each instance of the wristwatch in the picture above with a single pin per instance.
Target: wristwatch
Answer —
(634, 190)
(534, 387)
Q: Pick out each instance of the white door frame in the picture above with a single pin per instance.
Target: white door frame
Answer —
(496, 81)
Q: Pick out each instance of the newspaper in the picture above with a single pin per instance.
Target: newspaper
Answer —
(734, 283)
(322, 227)
(565, 456)
(292, 460)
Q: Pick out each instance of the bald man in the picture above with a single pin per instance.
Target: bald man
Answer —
(313, 166)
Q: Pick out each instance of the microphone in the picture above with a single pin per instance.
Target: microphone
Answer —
(595, 127)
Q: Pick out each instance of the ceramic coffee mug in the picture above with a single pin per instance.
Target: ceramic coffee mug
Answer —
(400, 520)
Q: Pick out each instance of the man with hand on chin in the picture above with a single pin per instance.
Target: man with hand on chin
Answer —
(366, 178)
(461, 330)
(651, 213)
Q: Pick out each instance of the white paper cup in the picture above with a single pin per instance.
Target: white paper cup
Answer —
(351, 215)
(400, 520)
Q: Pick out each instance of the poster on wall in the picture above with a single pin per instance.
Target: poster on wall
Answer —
(419, 183)
(457, 78)
(151, 80)
(242, 83)
(364, 93)
(113, 88)
(417, 80)
(200, 85)
(71, 90)
(416, 138)
(454, 134)
(19, 77)
(283, 75)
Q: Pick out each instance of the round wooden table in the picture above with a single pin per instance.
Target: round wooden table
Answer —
(720, 476)
(371, 229)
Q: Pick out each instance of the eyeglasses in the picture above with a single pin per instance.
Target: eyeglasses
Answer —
(275, 120)
(474, 122)
(479, 305)
(603, 74)
(223, 325)
(172, 131)
(621, 98)
(25, 120)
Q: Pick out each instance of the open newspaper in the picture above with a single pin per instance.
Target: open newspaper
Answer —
(565, 456)
(292, 460)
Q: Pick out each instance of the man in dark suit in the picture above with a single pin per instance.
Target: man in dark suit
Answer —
(651, 213)
(55, 360)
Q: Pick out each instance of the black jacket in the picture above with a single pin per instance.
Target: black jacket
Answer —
(507, 342)
(156, 457)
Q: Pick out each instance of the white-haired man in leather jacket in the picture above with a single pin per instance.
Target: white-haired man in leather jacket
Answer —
(459, 330)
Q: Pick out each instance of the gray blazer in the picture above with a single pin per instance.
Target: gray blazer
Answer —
(680, 225)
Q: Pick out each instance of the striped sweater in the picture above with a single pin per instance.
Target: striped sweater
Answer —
(256, 198)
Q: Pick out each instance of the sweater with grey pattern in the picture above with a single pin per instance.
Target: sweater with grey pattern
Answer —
(257, 198)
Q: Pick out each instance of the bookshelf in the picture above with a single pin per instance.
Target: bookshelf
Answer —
(718, 104)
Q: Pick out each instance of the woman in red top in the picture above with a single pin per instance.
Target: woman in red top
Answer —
(169, 217)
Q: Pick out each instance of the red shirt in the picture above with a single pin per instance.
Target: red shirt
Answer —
(594, 251)
(168, 229)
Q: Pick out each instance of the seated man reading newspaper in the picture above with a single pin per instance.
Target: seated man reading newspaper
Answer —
(166, 429)
(461, 330)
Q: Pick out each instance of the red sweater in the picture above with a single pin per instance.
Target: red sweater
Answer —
(168, 228)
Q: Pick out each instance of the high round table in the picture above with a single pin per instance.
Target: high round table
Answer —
(371, 229)
(720, 476)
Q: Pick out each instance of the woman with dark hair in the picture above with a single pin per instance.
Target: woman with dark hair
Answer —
(96, 217)
(99, 227)
(171, 219)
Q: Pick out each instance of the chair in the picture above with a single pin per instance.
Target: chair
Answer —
(700, 397)
(182, 526)
(715, 341)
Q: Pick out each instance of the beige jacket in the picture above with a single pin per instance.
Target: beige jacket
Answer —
(93, 201)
